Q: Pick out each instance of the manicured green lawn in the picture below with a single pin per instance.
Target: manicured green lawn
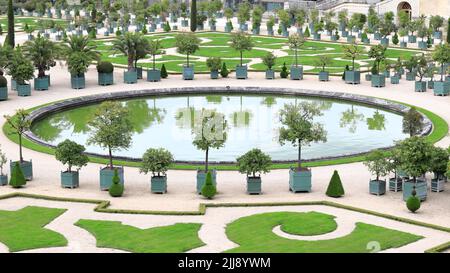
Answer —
(166, 239)
(24, 229)
(20, 22)
(254, 234)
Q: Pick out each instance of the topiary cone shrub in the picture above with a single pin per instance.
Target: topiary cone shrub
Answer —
(284, 71)
(335, 188)
(224, 71)
(209, 190)
(116, 189)
(413, 202)
(17, 178)
(164, 74)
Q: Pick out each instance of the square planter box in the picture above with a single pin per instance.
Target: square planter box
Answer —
(78, 82)
(212, 28)
(437, 185)
(23, 90)
(299, 181)
(387, 74)
(188, 72)
(410, 76)
(317, 36)
(158, 184)
(41, 84)
(378, 81)
(344, 33)
(139, 73)
(353, 77)
(395, 79)
(106, 176)
(412, 39)
(366, 40)
(421, 189)
(377, 187)
(377, 36)
(130, 77)
(437, 35)
(422, 45)
(26, 166)
(105, 79)
(333, 38)
(430, 84)
(368, 77)
(70, 180)
(241, 72)
(270, 74)
(296, 72)
(201, 178)
(153, 75)
(106, 33)
(200, 27)
(395, 184)
(214, 74)
(3, 180)
(403, 44)
(3, 93)
(228, 29)
(243, 27)
(384, 41)
(58, 37)
(270, 32)
(350, 39)
(254, 185)
(324, 76)
(184, 23)
(420, 86)
(255, 31)
(441, 88)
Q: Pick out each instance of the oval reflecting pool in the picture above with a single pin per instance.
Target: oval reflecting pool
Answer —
(253, 122)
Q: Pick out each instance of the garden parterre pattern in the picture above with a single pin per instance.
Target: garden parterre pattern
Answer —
(224, 229)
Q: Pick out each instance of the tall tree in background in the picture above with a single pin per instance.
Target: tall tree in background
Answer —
(10, 39)
(194, 15)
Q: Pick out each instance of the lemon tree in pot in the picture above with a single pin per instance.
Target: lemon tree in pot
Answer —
(378, 164)
(214, 64)
(187, 43)
(253, 164)
(154, 48)
(71, 154)
(352, 51)
(241, 42)
(269, 60)
(21, 70)
(157, 162)
(295, 42)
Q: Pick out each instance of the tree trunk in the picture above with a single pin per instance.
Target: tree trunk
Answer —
(130, 63)
(296, 57)
(299, 156)
(154, 65)
(241, 58)
(110, 158)
(20, 148)
(206, 160)
(187, 57)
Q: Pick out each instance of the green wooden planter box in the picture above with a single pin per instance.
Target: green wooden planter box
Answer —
(333, 38)
(158, 184)
(403, 44)
(420, 86)
(353, 77)
(201, 178)
(188, 72)
(441, 88)
(437, 35)
(228, 29)
(106, 33)
(106, 176)
(105, 79)
(344, 33)
(214, 74)
(299, 181)
(3, 180)
(23, 90)
(70, 180)
(377, 36)
(270, 74)
(78, 82)
(41, 84)
(378, 81)
(366, 40)
(377, 187)
(153, 75)
(437, 185)
(241, 72)
(384, 41)
(58, 37)
(395, 184)
(368, 77)
(243, 27)
(422, 44)
(421, 189)
(130, 77)
(139, 73)
(26, 166)
(13, 84)
(3, 93)
(296, 72)
(184, 23)
(351, 38)
(254, 185)
(324, 76)
(395, 79)
(430, 84)
(410, 76)
(317, 36)
(412, 39)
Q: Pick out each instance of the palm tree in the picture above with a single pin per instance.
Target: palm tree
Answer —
(80, 44)
(42, 52)
(132, 45)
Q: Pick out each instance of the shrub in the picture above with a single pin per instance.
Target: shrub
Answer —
(347, 68)
(335, 188)
(17, 177)
(92, 34)
(364, 36)
(116, 189)
(374, 69)
(144, 30)
(213, 63)
(413, 202)
(284, 71)
(164, 74)
(118, 33)
(166, 27)
(269, 60)
(307, 33)
(208, 189)
(3, 82)
(156, 161)
(105, 67)
(253, 162)
(224, 71)
(395, 39)
(71, 153)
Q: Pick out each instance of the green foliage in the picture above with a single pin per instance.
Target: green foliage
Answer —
(377, 52)
(214, 63)
(78, 63)
(412, 122)
(269, 60)
(395, 39)
(448, 31)
(111, 127)
(3, 81)
(352, 51)
(193, 15)
(374, 69)
(156, 161)
(209, 189)
(166, 27)
(254, 162)
(295, 42)
(79, 52)
(19, 124)
(299, 127)
(133, 45)
(415, 153)
(42, 52)
(154, 48)
(224, 71)
(377, 163)
(187, 43)
(323, 61)
(71, 153)
(10, 38)
(284, 71)
(347, 68)
(241, 41)
(413, 202)
(116, 189)
(439, 161)
(17, 179)
(105, 67)
(441, 54)
(164, 73)
(335, 188)
(20, 68)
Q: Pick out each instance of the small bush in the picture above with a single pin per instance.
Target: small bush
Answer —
(105, 67)
(3, 81)
(284, 71)
(164, 74)
(306, 34)
(144, 30)
(116, 189)
(347, 68)
(118, 33)
(335, 188)
(224, 71)
(208, 189)
(413, 202)
(166, 27)
(395, 39)
(17, 178)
